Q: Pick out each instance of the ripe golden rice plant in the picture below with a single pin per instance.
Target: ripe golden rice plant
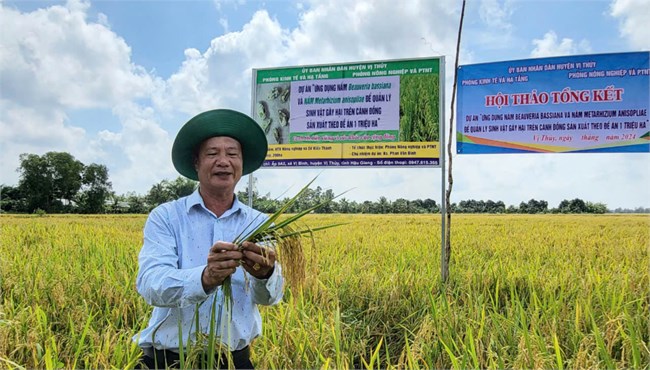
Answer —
(525, 291)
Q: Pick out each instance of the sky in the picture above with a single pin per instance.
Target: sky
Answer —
(112, 82)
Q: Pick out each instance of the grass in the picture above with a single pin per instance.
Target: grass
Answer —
(525, 291)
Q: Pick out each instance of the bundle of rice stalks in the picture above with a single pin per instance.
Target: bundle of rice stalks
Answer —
(284, 236)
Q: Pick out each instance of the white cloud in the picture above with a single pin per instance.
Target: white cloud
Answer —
(224, 23)
(634, 16)
(220, 4)
(36, 131)
(549, 45)
(221, 76)
(372, 30)
(54, 61)
(496, 15)
(54, 56)
(488, 25)
(145, 145)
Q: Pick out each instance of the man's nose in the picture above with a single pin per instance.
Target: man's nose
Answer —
(221, 160)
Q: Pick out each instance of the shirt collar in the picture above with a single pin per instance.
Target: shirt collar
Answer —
(195, 199)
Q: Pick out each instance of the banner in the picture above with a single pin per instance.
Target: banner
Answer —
(583, 103)
(379, 113)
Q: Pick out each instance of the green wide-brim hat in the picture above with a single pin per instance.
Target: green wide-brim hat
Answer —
(219, 122)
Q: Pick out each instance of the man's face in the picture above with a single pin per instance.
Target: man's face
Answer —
(219, 164)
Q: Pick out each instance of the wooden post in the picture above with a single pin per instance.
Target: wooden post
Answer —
(446, 254)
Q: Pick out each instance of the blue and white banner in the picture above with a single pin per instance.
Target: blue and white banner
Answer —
(583, 103)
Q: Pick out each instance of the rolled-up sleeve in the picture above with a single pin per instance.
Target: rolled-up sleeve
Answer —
(268, 291)
(160, 281)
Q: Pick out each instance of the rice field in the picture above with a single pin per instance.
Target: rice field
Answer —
(525, 291)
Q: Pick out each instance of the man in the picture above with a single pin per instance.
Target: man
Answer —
(188, 248)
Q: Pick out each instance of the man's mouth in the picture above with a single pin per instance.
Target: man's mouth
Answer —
(222, 173)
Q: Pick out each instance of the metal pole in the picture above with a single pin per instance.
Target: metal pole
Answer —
(250, 190)
(251, 179)
(443, 206)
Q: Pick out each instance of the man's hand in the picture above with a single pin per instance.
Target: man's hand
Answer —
(258, 260)
(223, 260)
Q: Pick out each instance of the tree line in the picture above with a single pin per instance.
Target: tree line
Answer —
(383, 205)
(56, 182)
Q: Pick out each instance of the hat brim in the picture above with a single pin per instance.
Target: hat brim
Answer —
(219, 122)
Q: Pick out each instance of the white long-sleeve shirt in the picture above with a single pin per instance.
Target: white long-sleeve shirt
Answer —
(178, 236)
